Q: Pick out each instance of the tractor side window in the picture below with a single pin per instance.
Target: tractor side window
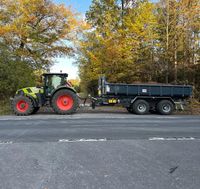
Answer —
(52, 83)
(56, 81)
(49, 86)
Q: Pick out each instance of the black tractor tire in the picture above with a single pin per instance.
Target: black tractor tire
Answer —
(22, 106)
(65, 102)
(141, 107)
(130, 110)
(165, 107)
(35, 110)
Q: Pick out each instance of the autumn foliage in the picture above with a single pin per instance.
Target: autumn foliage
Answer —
(140, 41)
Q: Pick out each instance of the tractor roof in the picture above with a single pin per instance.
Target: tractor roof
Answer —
(63, 74)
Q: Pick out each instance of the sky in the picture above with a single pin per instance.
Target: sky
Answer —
(66, 64)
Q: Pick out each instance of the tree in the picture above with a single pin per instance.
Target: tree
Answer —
(13, 77)
(178, 28)
(37, 30)
(140, 41)
(116, 43)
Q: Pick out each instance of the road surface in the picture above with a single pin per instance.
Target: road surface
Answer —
(100, 150)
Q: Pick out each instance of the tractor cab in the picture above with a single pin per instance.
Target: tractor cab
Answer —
(53, 81)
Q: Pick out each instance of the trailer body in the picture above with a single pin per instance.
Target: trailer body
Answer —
(151, 96)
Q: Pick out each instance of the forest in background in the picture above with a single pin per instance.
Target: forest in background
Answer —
(125, 40)
(140, 41)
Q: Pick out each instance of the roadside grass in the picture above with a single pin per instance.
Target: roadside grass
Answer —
(194, 107)
(5, 108)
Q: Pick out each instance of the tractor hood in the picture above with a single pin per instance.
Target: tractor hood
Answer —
(30, 91)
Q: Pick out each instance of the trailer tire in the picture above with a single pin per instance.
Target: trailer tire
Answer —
(141, 107)
(165, 107)
(65, 102)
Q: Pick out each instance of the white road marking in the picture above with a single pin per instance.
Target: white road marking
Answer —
(83, 140)
(174, 138)
(6, 142)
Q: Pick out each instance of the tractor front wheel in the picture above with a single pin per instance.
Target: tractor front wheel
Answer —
(22, 106)
(65, 102)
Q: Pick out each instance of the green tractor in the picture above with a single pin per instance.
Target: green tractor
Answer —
(56, 92)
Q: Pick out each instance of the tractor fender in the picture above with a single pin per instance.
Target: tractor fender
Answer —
(34, 100)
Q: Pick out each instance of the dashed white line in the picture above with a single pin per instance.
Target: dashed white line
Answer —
(6, 142)
(174, 138)
(83, 140)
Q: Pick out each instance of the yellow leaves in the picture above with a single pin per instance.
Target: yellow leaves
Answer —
(41, 13)
(116, 43)
(141, 24)
(37, 29)
(75, 82)
(5, 30)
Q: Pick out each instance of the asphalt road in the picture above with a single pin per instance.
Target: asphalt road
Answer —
(100, 150)
(110, 126)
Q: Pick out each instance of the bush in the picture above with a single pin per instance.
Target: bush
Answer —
(13, 76)
(5, 107)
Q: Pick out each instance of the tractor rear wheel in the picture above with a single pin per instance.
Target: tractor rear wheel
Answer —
(65, 102)
(22, 106)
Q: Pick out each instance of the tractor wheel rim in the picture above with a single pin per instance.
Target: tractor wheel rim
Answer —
(65, 102)
(22, 106)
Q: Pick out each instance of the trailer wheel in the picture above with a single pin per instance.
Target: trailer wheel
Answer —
(165, 107)
(141, 107)
(65, 102)
(22, 106)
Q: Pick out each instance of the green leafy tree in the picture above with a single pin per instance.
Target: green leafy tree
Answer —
(13, 76)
